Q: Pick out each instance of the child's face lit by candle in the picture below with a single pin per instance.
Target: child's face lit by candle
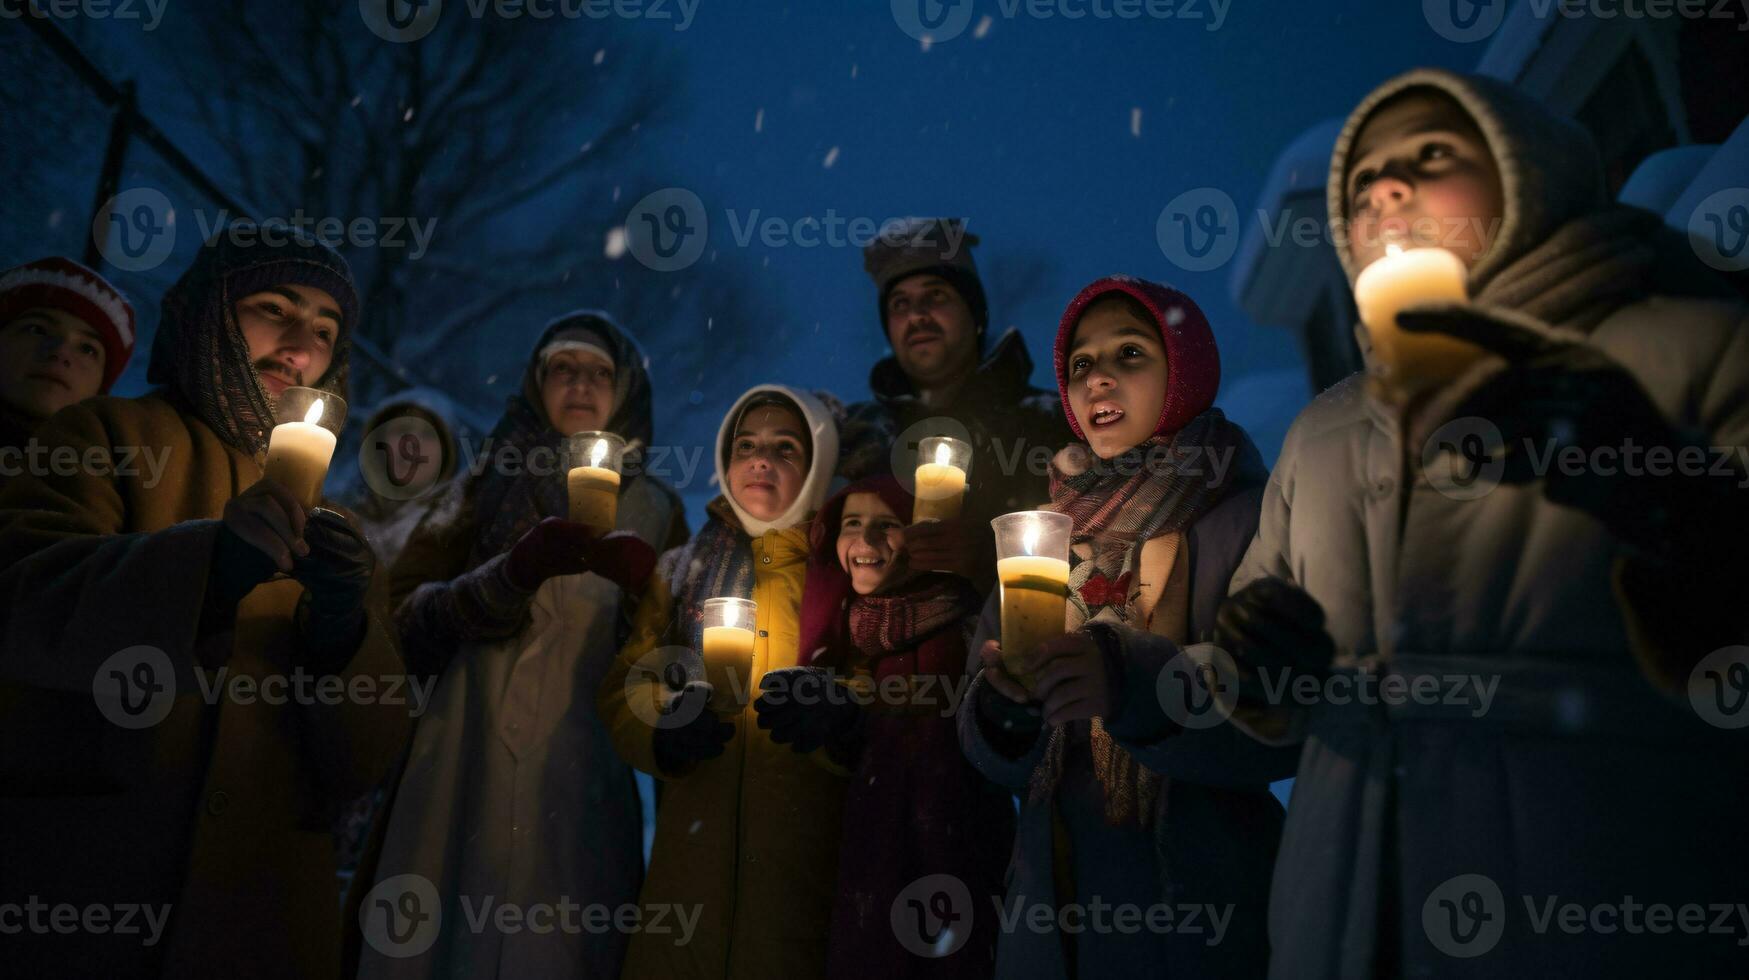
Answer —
(865, 549)
(1421, 173)
(768, 461)
(577, 391)
(1117, 377)
(291, 331)
(49, 359)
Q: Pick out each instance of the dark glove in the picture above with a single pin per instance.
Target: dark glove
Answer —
(557, 547)
(1556, 392)
(335, 575)
(688, 732)
(1012, 725)
(237, 568)
(1273, 626)
(807, 709)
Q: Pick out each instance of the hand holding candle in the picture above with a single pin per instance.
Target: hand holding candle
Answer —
(1032, 565)
(302, 445)
(594, 479)
(1409, 363)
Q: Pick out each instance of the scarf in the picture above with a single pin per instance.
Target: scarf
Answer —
(716, 563)
(883, 625)
(1160, 487)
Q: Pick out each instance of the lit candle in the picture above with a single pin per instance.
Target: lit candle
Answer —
(728, 651)
(1034, 582)
(594, 488)
(1412, 362)
(298, 454)
(941, 483)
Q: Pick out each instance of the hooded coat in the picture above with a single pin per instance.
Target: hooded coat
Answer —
(1201, 856)
(220, 813)
(512, 793)
(1013, 428)
(747, 842)
(1577, 781)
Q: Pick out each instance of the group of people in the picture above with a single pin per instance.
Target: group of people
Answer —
(890, 793)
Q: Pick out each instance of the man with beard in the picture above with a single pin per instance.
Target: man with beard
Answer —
(942, 374)
(246, 677)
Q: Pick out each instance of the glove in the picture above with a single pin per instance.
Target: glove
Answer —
(237, 568)
(1012, 719)
(1554, 393)
(806, 709)
(557, 547)
(689, 732)
(336, 575)
(1273, 626)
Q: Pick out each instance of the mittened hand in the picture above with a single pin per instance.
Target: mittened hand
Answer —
(807, 709)
(1274, 626)
(551, 548)
(688, 733)
(336, 575)
(622, 558)
(1075, 680)
(955, 546)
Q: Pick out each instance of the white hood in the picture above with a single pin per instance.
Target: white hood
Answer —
(822, 461)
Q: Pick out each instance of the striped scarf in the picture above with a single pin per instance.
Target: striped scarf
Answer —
(1160, 487)
(716, 563)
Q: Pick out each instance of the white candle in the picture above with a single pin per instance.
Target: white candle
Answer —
(594, 490)
(1411, 362)
(298, 454)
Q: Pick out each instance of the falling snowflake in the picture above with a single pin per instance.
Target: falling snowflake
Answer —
(600, 56)
(759, 120)
(408, 115)
(616, 242)
(1174, 316)
(983, 29)
(831, 157)
(1136, 121)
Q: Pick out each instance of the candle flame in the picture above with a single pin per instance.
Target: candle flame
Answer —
(314, 415)
(1393, 249)
(599, 453)
(1029, 541)
(942, 455)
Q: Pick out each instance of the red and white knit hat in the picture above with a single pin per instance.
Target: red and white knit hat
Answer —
(62, 284)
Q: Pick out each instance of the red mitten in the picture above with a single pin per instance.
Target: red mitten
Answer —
(622, 558)
(553, 547)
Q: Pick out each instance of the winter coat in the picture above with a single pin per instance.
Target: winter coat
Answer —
(1214, 834)
(16, 429)
(220, 811)
(1575, 781)
(1014, 429)
(746, 842)
(512, 794)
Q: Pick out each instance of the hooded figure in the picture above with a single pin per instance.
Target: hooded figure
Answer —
(199, 783)
(512, 791)
(1430, 836)
(747, 830)
(1131, 808)
(914, 806)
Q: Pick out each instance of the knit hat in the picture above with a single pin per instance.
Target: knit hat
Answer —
(62, 284)
(939, 245)
(1193, 360)
(1550, 171)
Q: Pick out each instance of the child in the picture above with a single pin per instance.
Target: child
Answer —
(1121, 806)
(747, 831)
(914, 807)
(65, 336)
(1419, 835)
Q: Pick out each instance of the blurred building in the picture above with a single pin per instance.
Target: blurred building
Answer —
(1664, 98)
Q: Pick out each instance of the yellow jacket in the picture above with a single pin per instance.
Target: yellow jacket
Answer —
(746, 842)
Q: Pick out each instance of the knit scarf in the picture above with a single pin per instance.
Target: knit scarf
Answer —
(885, 624)
(1160, 487)
(716, 563)
(505, 506)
